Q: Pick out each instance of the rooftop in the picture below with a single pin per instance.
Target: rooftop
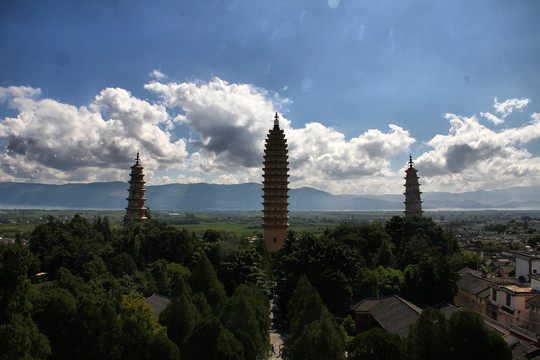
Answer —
(393, 313)
(158, 303)
(474, 284)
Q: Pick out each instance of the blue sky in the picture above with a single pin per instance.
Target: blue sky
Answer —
(193, 86)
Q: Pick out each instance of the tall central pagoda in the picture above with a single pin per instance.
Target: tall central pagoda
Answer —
(136, 211)
(276, 181)
(413, 204)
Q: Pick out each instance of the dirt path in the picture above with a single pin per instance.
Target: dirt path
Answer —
(277, 339)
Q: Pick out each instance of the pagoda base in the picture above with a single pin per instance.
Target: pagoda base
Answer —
(274, 237)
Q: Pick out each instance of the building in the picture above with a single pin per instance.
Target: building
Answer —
(413, 204)
(136, 211)
(275, 188)
(527, 263)
(393, 314)
(473, 293)
(509, 303)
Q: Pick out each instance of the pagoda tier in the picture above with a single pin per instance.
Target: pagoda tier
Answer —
(136, 211)
(275, 188)
(413, 204)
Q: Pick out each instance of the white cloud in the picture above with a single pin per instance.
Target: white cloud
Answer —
(233, 120)
(53, 142)
(473, 157)
(506, 107)
(322, 156)
(158, 75)
(228, 125)
(230, 119)
(494, 119)
(50, 141)
(227, 179)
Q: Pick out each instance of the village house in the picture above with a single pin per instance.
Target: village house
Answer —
(393, 314)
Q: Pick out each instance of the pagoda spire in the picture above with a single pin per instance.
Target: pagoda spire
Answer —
(413, 204)
(275, 188)
(136, 211)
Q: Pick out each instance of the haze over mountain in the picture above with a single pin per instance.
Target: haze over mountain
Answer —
(112, 195)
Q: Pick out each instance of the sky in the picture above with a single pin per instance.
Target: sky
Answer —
(194, 86)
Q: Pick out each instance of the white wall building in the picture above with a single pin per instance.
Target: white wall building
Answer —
(527, 263)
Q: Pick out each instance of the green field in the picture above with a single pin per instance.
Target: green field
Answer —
(240, 223)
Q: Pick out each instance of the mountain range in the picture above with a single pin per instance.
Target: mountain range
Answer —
(112, 195)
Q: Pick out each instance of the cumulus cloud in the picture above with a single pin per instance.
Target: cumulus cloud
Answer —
(233, 120)
(230, 119)
(158, 75)
(473, 156)
(506, 107)
(322, 156)
(50, 141)
(228, 125)
(56, 142)
(494, 119)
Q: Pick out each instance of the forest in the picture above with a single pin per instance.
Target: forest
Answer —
(77, 290)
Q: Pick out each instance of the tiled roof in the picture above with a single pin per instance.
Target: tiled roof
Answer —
(446, 308)
(473, 284)
(365, 305)
(504, 280)
(158, 303)
(393, 313)
(467, 270)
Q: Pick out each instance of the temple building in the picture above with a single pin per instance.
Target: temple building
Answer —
(275, 182)
(413, 204)
(136, 211)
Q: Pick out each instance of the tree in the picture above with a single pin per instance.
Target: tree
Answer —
(375, 344)
(244, 267)
(204, 279)
(56, 320)
(246, 318)
(534, 241)
(180, 318)
(133, 307)
(15, 260)
(212, 236)
(161, 347)
(430, 281)
(70, 245)
(97, 331)
(21, 339)
(329, 264)
(320, 339)
(209, 340)
(157, 274)
(428, 337)
(315, 333)
(471, 339)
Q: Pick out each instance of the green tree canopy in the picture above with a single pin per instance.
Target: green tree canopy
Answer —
(204, 279)
(375, 344)
(429, 337)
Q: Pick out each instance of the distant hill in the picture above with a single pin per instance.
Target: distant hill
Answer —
(112, 195)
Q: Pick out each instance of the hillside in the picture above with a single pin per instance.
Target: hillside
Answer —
(112, 195)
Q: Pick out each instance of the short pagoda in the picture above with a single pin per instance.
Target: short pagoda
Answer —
(275, 181)
(136, 211)
(413, 204)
